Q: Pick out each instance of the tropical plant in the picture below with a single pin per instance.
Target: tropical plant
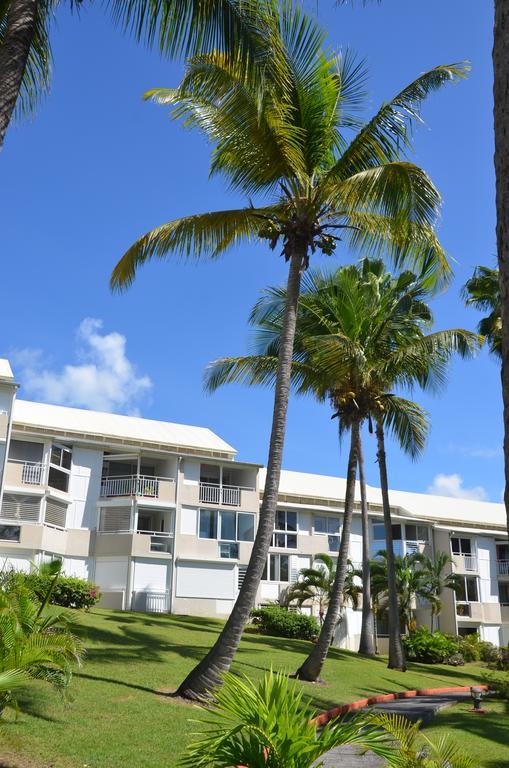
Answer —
(287, 143)
(360, 333)
(411, 584)
(482, 291)
(315, 585)
(429, 647)
(175, 26)
(439, 577)
(269, 724)
(416, 750)
(69, 591)
(35, 640)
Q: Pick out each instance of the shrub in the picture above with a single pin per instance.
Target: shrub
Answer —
(277, 621)
(488, 652)
(498, 683)
(469, 646)
(69, 591)
(456, 660)
(429, 647)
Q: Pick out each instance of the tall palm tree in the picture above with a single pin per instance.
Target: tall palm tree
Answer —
(367, 643)
(315, 585)
(359, 332)
(439, 577)
(482, 291)
(286, 143)
(501, 122)
(175, 26)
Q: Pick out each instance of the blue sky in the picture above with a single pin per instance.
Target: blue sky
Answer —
(97, 167)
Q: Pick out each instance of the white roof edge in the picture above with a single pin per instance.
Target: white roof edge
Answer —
(96, 423)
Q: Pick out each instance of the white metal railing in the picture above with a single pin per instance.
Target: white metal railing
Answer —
(503, 567)
(465, 562)
(229, 495)
(31, 472)
(134, 485)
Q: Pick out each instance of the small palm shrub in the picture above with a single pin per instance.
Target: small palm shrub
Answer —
(68, 592)
(279, 622)
(35, 640)
(269, 724)
(429, 647)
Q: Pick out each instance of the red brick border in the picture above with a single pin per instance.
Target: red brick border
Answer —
(331, 714)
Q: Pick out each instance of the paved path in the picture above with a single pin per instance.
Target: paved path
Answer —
(419, 708)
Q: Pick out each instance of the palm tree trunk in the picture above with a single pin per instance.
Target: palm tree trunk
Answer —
(207, 673)
(313, 665)
(396, 653)
(19, 32)
(501, 119)
(367, 639)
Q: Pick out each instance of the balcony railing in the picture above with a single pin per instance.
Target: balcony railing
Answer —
(20, 472)
(503, 567)
(137, 486)
(465, 563)
(227, 495)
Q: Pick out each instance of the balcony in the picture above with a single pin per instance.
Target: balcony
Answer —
(465, 563)
(29, 473)
(503, 567)
(225, 495)
(139, 486)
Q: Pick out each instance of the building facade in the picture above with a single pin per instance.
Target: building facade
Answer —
(162, 517)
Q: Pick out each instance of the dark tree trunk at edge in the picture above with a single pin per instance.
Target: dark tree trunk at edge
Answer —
(367, 639)
(207, 673)
(501, 119)
(312, 667)
(14, 51)
(396, 653)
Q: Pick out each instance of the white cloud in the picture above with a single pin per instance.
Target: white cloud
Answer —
(452, 485)
(105, 379)
(474, 451)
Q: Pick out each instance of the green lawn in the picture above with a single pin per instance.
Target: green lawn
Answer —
(119, 715)
(484, 737)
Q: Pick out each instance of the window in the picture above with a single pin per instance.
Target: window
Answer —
(278, 568)
(416, 532)
(226, 525)
(229, 549)
(461, 546)
(246, 527)
(285, 530)
(60, 467)
(379, 532)
(503, 592)
(10, 532)
(208, 524)
(467, 591)
(330, 526)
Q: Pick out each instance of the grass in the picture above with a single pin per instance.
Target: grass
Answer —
(484, 737)
(120, 712)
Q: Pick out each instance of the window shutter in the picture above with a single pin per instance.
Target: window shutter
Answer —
(23, 508)
(56, 513)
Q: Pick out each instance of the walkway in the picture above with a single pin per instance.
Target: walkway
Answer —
(419, 708)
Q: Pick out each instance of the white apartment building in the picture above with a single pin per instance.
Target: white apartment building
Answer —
(162, 517)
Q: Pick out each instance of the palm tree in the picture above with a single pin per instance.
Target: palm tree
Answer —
(367, 645)
(483, 292)
(359, 332)
(286, 143)
(175, 26)
(439, 577)
(315, 585)
(412, 582)
(35, 641)
(501, 121)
